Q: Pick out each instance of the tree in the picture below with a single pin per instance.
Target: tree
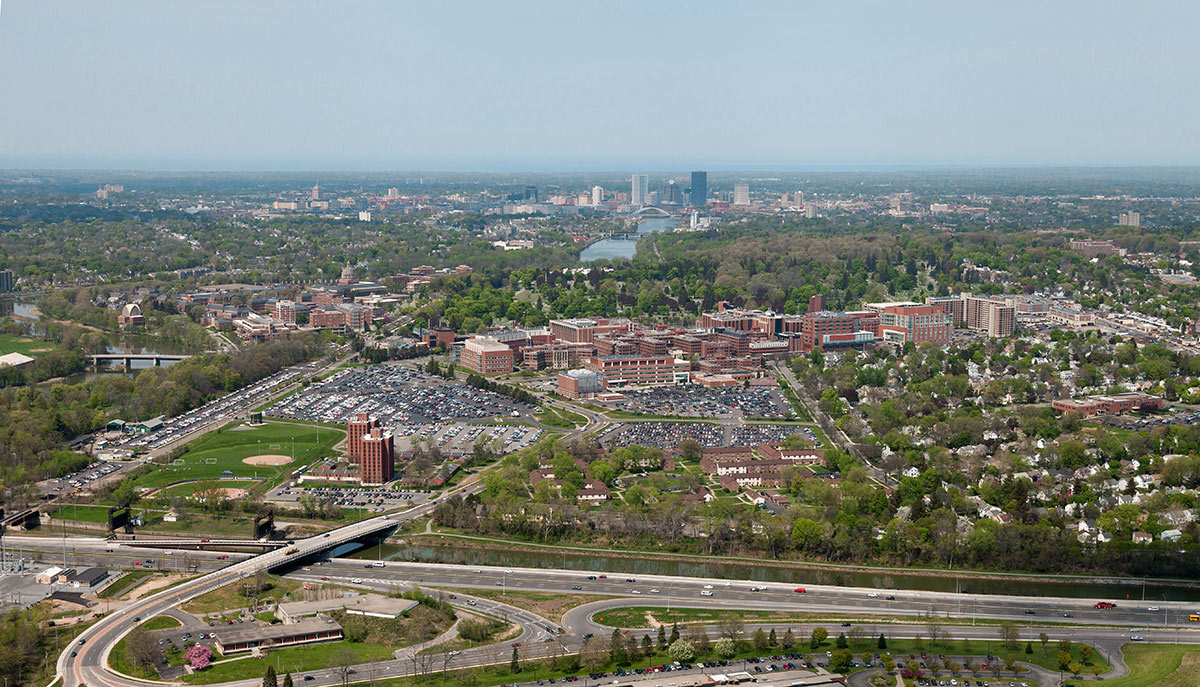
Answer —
(725, 647)
(616, 650)
(1043, 638)
(772, 639)
(882, 643)
(840, 659)
(841, 642)
(662, 638)
(759, 639)
(647, 645)
(1085, 653)
(514, 665)
(199, 657)
(789, 640)
(1028, 647)
(1076, 669)
(674, 633)
(269, 679)
(689, 449)
(682, 650)
(342, 662)
(287, 680)
(1064, 660)
(1009, 634)
(140, 648)
(819, 634)
(731, 625)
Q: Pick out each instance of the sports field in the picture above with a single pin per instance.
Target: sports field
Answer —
(227, 450)
(24, 345)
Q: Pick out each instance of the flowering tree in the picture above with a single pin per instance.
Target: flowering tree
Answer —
(199, 657)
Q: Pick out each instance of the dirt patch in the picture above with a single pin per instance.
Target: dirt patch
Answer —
(232, 493)
(273, 459)
(156, 583)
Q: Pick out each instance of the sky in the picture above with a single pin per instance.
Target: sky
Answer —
(606, 84)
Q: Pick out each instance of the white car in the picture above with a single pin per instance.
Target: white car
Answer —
(635, 592)
(708, 586)
(655, 591)
(1152, 608)
(873, 595)
(356, 580)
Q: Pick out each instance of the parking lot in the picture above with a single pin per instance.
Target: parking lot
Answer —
(668, 434)
(89, 476)
(461, 439)
(399, 396)
(699, 401)
(376, 500)
(225, 408)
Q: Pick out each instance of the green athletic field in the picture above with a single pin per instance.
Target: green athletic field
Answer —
(217, 452)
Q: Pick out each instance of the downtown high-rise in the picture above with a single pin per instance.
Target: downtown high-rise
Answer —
(699, 196)
(639, 186)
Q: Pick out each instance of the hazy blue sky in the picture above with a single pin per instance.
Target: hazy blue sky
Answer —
(506, 85)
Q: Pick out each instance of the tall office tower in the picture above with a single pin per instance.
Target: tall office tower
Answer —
(699, 189)
(741, 194)
(672, 193)
(597, 195)
(810, 211)
(316, 192)
(1130, 219)
(652, 197)
(531, 193)
(7, 280)
(637, 195)
(816, 303)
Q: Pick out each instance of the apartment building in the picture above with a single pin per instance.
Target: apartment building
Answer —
(378, 462)
(910, 322)
(996, 316)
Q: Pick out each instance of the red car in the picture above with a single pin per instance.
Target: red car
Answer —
(137, 562)
(800, 590)
(1104, 604)
(222, 556)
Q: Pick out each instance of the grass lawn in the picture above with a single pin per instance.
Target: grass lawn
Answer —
(126, 582)
(1160, 665)
(292, 659)
(210, 456)
(230, 596)
(82, 513)
(119, 661)
(162, 622)
(556, 417)
(24, 345)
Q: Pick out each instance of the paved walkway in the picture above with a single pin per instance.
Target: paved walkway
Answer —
(410, 651)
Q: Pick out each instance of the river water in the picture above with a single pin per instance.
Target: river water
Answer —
(533, 558)
(625, 248)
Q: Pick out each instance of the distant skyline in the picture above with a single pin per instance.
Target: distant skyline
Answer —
(619, 85)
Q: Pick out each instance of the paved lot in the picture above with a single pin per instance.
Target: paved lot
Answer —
(353, 497)
(398, 395)
(699, 401)
(668, 434)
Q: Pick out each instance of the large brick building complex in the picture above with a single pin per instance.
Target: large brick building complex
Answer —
(486, 356)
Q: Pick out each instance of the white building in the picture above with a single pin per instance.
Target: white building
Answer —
(597, 195)
(741, 194)
(639, 186)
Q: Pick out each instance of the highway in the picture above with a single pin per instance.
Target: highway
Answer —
(87, 661)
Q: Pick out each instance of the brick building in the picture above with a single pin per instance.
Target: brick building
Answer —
(378, 461)
(357, 427)
(485, 356)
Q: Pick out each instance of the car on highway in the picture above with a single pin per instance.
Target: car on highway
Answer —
(708, 586)
(799, 590)
(705, 592)
(1104, 604)
(655, 591)
(357, 580)
(1136, 638)
(891, 597)
(873, 595)
(635, 591)
(576, 587)
(1152, 608)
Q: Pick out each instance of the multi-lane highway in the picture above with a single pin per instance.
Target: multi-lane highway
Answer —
(1062, 618)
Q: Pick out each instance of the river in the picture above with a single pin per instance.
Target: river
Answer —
(625, 248)
(1097, 588)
